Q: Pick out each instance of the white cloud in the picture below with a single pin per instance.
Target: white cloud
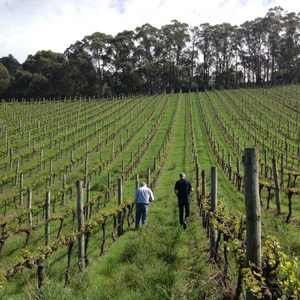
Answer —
(28, 26)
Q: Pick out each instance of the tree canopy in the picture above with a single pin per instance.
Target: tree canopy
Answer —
(151, 60)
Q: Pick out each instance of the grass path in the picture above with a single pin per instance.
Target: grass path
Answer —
(161, 261)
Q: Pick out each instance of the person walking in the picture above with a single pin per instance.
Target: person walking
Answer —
(182, 189)
(142, 199)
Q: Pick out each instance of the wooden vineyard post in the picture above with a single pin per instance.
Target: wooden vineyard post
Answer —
(41, 160)
(203, 196)
(85, 169)
(66, 132)
(120, 200)
(29, 201)
(213, 206)
(40, 272)
(148, 176)
(5, 137)
(98, 142)
(136, 181)
(253, 214)
(80, 217)
(51, 137)
(286, 151)
(28, 140)
(17, 171)
(64, 187)
(50, 173)
(44, 136)
(108, 185)
(47, 217)
(87, 207)
(223, 158)
(266, 169)
(282, 169)
(229, 166)
(21, 188)
(238, 172)
(197, 184)
(71, 161)
(277, 190)
(11, 158)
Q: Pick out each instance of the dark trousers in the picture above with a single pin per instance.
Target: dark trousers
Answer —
(184, 205)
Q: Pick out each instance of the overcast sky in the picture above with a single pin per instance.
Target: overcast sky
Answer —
(27, 26)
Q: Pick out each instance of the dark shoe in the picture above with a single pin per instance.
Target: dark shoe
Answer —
(184, 225)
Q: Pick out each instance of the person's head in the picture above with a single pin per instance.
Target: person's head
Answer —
(181, 175)
(143, 184)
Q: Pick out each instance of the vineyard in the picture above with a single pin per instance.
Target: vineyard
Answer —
(69, 169)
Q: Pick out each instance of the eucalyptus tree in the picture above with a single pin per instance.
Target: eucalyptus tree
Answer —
(273, 25)
(98, 46)
(159, 62)
(11, 63)
(205, 46)
(168, 57)
(82, 80)
(259, 37)
(146, 36)
(290, 46)
(237, 48)
(4, 79)
(82, 77)
(51, 65)
(123, 62)
(22, 83)
(74, 50)
(255, 37)
(222, 43)
(174, 38)
(248, 53)
(185, 69)
(192, 55)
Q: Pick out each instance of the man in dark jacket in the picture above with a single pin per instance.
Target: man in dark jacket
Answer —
(182, 190)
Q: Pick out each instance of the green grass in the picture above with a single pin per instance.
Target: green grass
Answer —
(160, 261)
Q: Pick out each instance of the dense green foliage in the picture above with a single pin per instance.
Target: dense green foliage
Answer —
(152, 60)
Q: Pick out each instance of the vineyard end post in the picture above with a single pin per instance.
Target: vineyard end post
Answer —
(253, 213)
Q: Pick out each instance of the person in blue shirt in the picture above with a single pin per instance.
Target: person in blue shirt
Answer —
(182, 190)
(142, 199)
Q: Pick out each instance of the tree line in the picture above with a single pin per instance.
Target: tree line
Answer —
(151, 60)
